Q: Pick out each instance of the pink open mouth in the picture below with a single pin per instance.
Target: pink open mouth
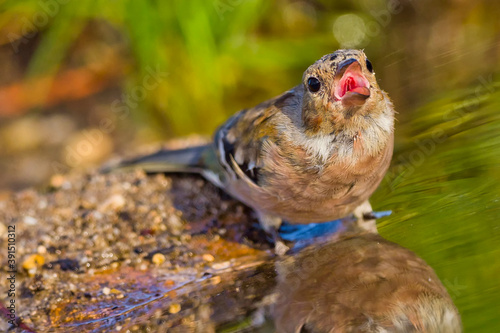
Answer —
(352, 88)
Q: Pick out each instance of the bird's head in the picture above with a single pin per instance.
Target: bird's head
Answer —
(339, 88)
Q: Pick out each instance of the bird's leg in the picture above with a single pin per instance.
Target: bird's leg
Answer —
(365, 217)
(271, 224)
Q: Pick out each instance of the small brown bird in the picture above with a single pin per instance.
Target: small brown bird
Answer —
(362, 284)
(313, 154)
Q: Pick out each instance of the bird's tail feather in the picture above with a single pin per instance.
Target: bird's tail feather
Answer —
(189, 160)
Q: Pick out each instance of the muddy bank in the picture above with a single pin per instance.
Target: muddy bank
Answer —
(130, 252)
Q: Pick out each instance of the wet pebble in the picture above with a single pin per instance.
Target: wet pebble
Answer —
(221, 265)
(115, 202)
(158, 258)
(32, 263)
(174, 308)
(208, 257)
(29, 220)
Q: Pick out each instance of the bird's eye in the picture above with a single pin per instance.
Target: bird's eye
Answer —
(313, 84)
(369, 66)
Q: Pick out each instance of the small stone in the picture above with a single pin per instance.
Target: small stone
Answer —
(116, 291)
(208, 257)
(33, 261)
(158, 259)
(169, 283)
(185, 238)
(106, 291)
(174, 308)
(42, 204)
(41, 249)
(280, 248)
(221, 265)
(30, 220)
(115, 202)
(174, 222)
(216, 280)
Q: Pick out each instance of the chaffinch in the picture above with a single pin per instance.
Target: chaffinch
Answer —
(313, 154)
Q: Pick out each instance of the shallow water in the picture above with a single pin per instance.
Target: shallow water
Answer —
(443, 188)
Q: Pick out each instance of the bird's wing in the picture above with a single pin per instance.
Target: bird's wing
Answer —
(241, 141)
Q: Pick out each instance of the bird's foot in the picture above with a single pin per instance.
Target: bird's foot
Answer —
(366, 217)
(280, 248)
(271, 224)
(376, 215)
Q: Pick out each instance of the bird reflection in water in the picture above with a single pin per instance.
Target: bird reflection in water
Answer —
(360, 282)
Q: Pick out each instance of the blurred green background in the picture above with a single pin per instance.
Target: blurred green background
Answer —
(81, 81)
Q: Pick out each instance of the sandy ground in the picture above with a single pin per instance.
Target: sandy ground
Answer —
(96, 252)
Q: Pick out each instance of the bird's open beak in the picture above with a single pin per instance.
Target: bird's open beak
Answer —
(351, 86)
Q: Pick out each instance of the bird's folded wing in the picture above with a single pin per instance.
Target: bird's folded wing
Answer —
(240, 142)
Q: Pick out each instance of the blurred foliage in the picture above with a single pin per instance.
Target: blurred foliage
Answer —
(224, 55)
(196, 43)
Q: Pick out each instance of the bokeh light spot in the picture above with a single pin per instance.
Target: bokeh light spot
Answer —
(349, 30)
